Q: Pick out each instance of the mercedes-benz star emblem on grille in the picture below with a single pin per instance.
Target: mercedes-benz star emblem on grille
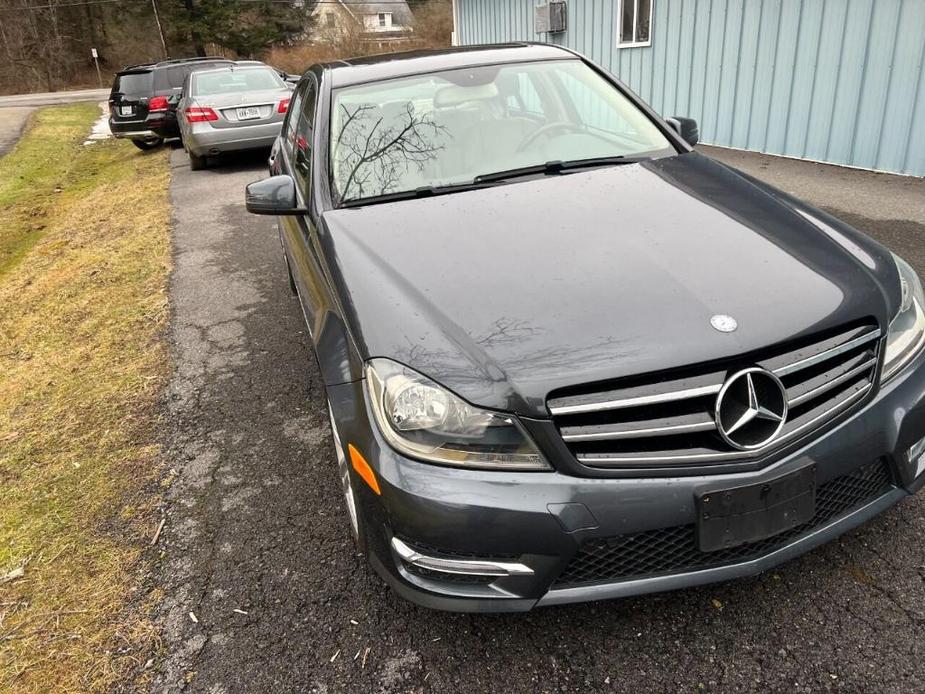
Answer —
(751, 408)
(724, 323)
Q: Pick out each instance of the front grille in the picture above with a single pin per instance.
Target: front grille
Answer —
(674, 550)
(667, 421)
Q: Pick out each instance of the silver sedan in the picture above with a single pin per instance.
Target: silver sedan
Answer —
(231, 108)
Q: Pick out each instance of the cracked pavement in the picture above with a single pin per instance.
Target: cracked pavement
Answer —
(257, 545)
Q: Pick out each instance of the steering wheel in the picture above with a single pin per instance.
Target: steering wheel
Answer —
(546, 130)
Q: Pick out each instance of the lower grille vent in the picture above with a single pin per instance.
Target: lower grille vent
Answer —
(674, 550)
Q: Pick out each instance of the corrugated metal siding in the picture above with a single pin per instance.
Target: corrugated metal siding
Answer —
(832, 80)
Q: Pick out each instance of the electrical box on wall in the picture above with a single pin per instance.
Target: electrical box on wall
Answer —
(550, 18)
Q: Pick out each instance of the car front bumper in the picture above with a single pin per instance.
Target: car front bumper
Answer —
(543, 520)
(202, 139)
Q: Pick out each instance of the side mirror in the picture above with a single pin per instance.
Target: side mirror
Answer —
(274, 195)
(686, 128)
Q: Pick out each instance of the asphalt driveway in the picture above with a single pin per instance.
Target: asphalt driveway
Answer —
(264, 594)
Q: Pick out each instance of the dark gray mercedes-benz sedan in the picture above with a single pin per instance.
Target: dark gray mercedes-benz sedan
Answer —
(569, 358)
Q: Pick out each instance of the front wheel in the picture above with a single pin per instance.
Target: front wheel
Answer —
(357, 528)
(145, 145)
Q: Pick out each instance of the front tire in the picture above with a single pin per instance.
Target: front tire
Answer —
(357, 528)
(197, 163)
(147, 145)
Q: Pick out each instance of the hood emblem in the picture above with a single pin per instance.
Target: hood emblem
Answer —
(751, 409)
(724, 323)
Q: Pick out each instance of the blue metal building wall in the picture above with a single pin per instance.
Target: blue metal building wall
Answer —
(839, 81)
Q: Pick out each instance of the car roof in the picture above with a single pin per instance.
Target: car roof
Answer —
(235, 67)
(180, 61)
(142, 67)
(172, 61)
(391, 65)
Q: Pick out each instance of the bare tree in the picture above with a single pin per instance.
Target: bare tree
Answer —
(374, 155)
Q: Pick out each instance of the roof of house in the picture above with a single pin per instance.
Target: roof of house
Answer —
(401, 13)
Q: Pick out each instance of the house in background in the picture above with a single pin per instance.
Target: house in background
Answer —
(838, 81)
(382, 23)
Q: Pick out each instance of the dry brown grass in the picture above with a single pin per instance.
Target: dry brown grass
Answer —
(82, 315)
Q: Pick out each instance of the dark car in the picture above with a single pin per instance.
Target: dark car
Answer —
(566, 356)
(143, 100)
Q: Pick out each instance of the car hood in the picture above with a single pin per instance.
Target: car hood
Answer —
(508, 293)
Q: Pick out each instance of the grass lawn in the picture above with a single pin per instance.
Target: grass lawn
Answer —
(84, 259)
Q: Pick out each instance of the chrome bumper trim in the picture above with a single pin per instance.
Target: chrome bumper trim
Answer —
(472, 567)
(137, 134)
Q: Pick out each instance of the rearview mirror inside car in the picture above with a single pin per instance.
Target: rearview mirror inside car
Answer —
(274, 195)
(686, 128)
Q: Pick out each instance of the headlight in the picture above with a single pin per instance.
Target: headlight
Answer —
(426, 421)
(907, 330)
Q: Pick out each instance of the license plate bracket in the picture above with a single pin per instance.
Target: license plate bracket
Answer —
(732, 516)
(248, 113)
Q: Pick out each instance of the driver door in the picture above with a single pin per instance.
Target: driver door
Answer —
(298, 231)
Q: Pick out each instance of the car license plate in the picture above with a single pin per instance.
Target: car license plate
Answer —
(728, 517)
(126, 110)
(248, 113)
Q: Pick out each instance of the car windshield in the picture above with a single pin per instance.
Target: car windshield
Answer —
(133, 84)
(171, 77)
(450, 127)
(233, 81)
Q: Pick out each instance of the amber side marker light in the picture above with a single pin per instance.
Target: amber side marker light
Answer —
(363, 469)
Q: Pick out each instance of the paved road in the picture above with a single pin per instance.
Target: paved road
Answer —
(855, 192)
(15, 110)
(12, 122)
(49, 98)
(256, 524)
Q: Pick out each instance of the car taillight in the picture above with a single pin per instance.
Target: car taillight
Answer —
(200, 115)
(157, 103)
(283, 106)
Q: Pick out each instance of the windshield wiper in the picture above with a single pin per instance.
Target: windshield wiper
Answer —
(556, 167)
(489, 179)
(422, 192)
